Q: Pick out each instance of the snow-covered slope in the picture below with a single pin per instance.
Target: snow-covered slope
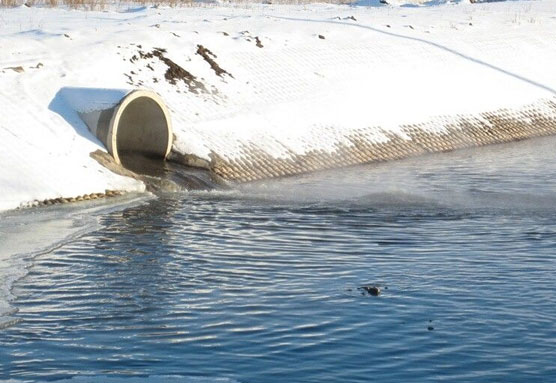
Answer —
(263, 90)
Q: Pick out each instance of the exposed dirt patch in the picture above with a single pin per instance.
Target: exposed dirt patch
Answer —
(129, 78)
(18, 69)
(209, 57)
(152, 65)
(174, 73)
(346, 18)
(248, 37)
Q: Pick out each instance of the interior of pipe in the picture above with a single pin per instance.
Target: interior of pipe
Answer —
(142, 129)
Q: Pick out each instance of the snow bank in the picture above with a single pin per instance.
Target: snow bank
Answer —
(265, 90)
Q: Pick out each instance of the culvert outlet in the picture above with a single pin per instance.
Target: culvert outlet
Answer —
(135, 122)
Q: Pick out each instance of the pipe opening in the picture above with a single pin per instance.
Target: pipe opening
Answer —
(136, 129)
(141, 126)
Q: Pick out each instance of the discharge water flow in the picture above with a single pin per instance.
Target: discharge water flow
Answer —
(162, 175)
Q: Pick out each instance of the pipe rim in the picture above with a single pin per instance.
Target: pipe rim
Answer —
(114, 121)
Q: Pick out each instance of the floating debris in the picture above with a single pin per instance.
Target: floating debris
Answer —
(370, 290)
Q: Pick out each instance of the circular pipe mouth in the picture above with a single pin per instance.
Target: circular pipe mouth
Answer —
(141, 125)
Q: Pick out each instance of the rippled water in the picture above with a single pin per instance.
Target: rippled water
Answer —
(260, 284)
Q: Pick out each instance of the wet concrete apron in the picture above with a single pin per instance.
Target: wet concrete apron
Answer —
(161, 176)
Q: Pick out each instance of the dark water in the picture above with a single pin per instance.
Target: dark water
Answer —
(159, 175)
(260, 284)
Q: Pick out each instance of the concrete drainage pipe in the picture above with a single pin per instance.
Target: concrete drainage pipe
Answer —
(134, 121)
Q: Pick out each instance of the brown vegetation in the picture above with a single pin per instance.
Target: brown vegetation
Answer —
(8, 3)
(101, 4)
(209, 57)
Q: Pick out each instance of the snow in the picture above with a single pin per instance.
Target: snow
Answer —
(379, 66)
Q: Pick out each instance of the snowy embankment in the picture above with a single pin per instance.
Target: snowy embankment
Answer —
(265, 90)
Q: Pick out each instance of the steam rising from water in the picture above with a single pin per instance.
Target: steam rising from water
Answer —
(521, 175)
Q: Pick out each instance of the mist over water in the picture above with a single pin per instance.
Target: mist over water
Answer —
(260, 283)
(510, 176)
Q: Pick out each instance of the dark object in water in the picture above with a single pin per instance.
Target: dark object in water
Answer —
(430, 328)
(370, 289)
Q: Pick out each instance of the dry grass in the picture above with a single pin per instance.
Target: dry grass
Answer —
(102, 4)
(8, 3)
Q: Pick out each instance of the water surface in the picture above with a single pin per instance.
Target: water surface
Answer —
(260, 284)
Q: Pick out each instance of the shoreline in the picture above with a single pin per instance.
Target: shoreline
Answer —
(29, 233)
